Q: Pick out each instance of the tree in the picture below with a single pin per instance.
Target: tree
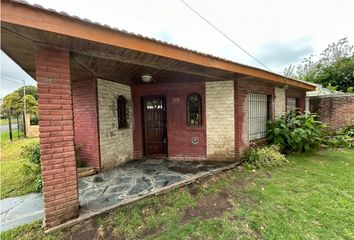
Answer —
(30, 90)
(12, 102)
(31, 105)
(339, 74)
(334, 67)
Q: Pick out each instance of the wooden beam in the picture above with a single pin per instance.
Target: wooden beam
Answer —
(30, 16)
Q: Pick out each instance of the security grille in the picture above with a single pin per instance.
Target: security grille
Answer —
(257, 116)
(291, 103)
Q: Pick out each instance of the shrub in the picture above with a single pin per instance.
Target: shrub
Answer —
(342, 138)
(296, 132)
(33, 165)
(263, 157)
(348, 131)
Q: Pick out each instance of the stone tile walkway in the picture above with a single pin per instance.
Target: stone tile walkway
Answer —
(20, 210)
(101, 192)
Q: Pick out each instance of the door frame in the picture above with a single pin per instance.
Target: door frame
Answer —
(142, 103)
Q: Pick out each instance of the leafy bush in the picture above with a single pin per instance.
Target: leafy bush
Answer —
(33, 165)
(348, 131)
(261, 157)
(296, 132)
(342, 138)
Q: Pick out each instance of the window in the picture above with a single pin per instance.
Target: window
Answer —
(259, 111)
(292, 103)
(194, 110)
(122, 112)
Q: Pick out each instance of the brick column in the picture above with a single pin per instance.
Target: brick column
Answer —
(56, 127)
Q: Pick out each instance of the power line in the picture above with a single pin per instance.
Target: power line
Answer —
(222, 33)
(12, 79)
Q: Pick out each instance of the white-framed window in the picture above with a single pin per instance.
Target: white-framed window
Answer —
(291, 103)
(257, 116)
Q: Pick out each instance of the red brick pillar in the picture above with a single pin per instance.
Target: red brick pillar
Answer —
(56, 127)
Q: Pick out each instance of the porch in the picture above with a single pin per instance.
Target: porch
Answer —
(113, 188)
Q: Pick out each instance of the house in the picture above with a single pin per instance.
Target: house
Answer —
(122, 96)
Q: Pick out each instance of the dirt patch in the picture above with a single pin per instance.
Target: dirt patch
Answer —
(89, 230)
(107, 233)
(193, 189)
(211, 206)
(150, 232)
(240, 182)
(85, 231)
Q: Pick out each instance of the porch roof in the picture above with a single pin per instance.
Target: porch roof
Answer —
(106, 52)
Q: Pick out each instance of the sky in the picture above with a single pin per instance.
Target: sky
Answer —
(276, 32)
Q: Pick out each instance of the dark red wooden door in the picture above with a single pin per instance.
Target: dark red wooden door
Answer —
(154, 123)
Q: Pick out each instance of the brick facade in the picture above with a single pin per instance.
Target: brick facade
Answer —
(116, 144)
(56, 127)
(220, 117)
(179, 135)
(242, 88)
(279, 101)
(86, 123)
(335, 110)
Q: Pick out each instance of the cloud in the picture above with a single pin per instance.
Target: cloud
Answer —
(12, 76)
(278, 55)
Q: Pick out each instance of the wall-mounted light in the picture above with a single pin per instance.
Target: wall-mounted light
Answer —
(146, 78)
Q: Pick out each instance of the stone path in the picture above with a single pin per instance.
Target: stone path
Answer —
(20, 210)
(112, 188)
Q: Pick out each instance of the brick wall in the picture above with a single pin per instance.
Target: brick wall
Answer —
(56, 127)
(279, 101)
(242, 88)
(179, 135)
(86, 122)
(335, 110)
(219, 101)
(116, 144)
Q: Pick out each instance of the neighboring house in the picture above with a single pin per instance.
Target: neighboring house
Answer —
(122, 96)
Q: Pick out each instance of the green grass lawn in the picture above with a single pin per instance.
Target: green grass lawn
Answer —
(13, 181)
(5, 136)
(312, 198)
(5, 121)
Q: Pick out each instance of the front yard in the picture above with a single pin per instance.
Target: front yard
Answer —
(12, 178)
(312, 198)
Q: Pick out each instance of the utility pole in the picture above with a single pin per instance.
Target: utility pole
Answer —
(24, 108)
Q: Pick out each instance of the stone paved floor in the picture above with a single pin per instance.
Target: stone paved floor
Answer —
(135, 179)
(109, 189)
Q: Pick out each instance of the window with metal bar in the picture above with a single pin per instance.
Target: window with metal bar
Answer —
(194, 110)
(258, 114)
(122, 112)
